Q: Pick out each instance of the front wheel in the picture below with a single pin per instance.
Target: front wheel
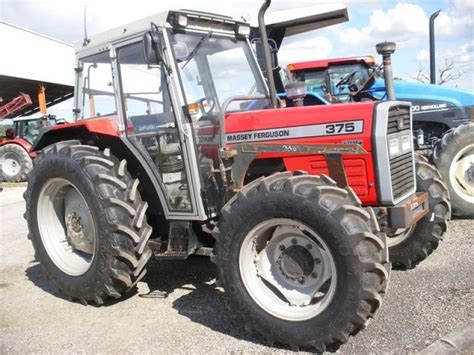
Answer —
(301, 261)
(15, 163)
(408, 247)
(87, 222)
(454, 157)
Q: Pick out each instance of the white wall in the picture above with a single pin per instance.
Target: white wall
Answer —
(28, 55)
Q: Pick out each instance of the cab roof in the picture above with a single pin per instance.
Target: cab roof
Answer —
(102, 40)
(325, 63)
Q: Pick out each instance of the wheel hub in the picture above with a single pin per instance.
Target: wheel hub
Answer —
(10, 166)
(470, 173)
(287, 269)
(461, 173)
(75, 233)
(66, 225)
(296, 263)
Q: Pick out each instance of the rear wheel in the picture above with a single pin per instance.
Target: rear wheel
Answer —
(87, 222)
(300, 261)
(15, 163)
(409, 246)
(454, 157)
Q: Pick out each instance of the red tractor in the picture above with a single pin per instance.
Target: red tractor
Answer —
(15, 149)
(179, 148)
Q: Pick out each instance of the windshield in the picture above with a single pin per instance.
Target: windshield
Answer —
(315, 81)
(215, 68)
(342, 76)
(339, 78)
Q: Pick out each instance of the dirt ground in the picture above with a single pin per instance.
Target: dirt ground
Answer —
(178, 308)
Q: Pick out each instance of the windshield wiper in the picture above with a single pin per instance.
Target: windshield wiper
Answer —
(203, 40)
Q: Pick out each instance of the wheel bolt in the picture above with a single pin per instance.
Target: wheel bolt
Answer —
(301, 281)
(309, 246)
(281, 247)
(317, 260)
(293, 241)
(314, 275)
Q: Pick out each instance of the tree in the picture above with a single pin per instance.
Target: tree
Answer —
(445, 74)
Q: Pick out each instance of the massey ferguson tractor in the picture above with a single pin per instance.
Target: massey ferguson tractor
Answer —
(15, 149)
(443, 118)
(179, 147)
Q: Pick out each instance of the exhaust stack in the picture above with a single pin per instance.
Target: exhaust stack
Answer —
(267, 54)
(432, 47)
(386, 49)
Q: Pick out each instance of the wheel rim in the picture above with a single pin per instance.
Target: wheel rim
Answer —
(461, 173)
(398, 236)
(66, 227)
(10, 164)
(287, 269)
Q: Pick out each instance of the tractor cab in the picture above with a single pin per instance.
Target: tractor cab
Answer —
(28, 128)
(166, 86)
(335, 79)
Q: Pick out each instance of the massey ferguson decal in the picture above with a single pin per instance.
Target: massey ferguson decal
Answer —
(318, 130)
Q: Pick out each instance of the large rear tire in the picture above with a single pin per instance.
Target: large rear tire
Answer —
(15, 163)
(408, 247)
(299, 260)
(87, 222)
(454, 158)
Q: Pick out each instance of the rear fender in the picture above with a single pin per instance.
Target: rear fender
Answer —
(104, 133)
(20, 142)
(81, 130)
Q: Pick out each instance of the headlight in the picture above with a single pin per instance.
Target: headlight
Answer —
(182, 20)
(399, 145)
(393, 146)
(406, 143)
(243, 30)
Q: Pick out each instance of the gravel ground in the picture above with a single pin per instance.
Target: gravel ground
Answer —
(178, 308)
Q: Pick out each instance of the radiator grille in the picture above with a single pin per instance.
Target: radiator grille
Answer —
(398, 119)
(401, 167)
(401, 171)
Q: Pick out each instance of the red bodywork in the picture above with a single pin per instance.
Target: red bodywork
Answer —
(325, 63)
(22, 143)
(359, 168)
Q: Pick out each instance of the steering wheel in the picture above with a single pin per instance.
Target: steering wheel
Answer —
(347, 79)
(368, 83)
(210, 106)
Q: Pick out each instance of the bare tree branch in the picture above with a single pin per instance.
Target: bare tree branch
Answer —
(445, 74)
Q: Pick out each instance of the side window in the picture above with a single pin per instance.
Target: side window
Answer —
(98, 97)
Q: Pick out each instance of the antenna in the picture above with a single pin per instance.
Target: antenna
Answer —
(86, 39)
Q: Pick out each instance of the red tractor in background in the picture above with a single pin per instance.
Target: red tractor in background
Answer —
(179, 147)
(15, 149)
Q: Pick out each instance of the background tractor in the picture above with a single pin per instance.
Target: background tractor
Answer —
(15, 149)
(170, 156)
(443, 118)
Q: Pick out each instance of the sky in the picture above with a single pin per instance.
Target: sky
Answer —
(370, 22)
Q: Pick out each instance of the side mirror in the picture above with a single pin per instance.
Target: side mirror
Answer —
(151, 48)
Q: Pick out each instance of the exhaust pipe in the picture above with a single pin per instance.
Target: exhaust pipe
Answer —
(267, 54)
(386, 49)
(432, 47)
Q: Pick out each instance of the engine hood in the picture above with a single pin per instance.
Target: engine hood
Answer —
(405, 90)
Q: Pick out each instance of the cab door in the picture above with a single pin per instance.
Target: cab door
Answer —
(151, 125)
